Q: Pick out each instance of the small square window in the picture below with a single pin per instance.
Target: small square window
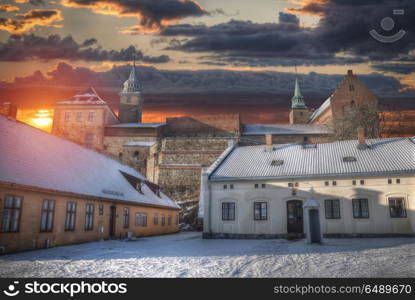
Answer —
(389, 181)
(334, 182)
(290, 184)
(256, 185)
(225, 186)
(296, 184)
(231, 186)
(362, 182)
(263, 185)
(354, 182)
(398, 181)
(326, 183)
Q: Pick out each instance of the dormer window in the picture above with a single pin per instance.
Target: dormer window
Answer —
(349, 158)
(277, 162)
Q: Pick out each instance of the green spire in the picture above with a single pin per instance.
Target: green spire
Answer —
(297, 101)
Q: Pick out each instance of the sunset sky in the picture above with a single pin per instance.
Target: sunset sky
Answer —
(47, 44)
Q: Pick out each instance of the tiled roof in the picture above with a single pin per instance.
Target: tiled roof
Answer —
(383, 156)
(34, 158)
(282, 129)
(88, 97)
(323, 107)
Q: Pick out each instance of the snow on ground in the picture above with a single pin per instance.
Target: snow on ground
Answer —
(188, 255)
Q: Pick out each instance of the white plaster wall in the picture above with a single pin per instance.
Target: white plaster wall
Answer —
(277, 193)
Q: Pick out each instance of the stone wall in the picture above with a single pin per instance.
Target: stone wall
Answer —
(286, 139)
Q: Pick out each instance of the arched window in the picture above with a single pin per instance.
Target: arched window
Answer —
(136, 155)
(120, 156)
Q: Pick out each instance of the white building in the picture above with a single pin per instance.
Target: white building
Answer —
(364, 188)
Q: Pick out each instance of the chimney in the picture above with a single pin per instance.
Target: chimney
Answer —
(361, 138)
(9, 110)
(268, 139)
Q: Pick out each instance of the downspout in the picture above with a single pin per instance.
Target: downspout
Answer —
(210, 206)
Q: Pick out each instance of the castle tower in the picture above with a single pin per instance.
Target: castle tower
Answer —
(299, 112)
(131, 100)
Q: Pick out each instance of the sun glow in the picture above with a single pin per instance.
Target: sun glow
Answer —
(40, 118)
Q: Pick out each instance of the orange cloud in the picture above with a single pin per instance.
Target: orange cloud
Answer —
(21, 1)
(8, 8)
(309, 7)
(25, 21)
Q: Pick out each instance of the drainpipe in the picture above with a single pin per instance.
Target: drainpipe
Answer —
(210, 205)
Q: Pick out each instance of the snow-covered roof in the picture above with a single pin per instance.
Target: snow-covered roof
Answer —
(138, 125)
(34, 158)
(341, 158)
(260, 129)
(88, 97)
(141, 144)
(323, 107)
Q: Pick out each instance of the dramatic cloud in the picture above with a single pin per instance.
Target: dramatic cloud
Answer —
(33, 2)
(26, 21)
(152, 14)
(27, 47)
(8, 8)
(342, 31)
(398, 68)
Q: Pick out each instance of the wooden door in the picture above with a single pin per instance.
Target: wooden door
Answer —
(295, 216)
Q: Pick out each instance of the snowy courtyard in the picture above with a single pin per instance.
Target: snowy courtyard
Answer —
(188, 255)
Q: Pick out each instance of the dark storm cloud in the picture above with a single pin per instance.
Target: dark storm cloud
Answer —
(26, 47)
(206, 81)
(152, 15)
(343, 28)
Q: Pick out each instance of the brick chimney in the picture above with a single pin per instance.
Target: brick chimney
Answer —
(8, 109)
(361, 138)
(268, 139)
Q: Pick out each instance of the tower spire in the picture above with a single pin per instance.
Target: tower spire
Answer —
(297, 101)
(132, 85)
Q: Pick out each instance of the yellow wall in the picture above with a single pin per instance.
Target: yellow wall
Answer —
(30, 237)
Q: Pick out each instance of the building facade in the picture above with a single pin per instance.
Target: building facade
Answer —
(364, 188)
(55, 192)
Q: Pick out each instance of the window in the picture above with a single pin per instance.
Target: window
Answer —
(120, 156)
(67, 115)
(155, 219)
(389, 181)
(11, 213)
(334, 183)
(360, 208)
(228, 211)
(79, 116)
(256, 185)
(163, 220)
(136, 155)
(126, 217)
(397, 207)
(349, 158)
(290, 184)
(362, 182)
(46, 219)
(354, 182)
(260, 211)
(89, 139)
(231, 186)
(398, 181)
(351, 87)
(332, 208)
(169, 220)
(177, 219)
(225, 186)
(141, 219)
(91, 116)
(101, 209)
(70, 216)
(89, 216)
(263, 185)
(305, 139)
(296, 184)
(326, 183)
(277, 162)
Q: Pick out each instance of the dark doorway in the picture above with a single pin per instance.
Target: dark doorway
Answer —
(112, 221)
(315, 236)
(295, 216)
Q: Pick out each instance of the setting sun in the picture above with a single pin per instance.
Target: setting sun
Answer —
(41, 118)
